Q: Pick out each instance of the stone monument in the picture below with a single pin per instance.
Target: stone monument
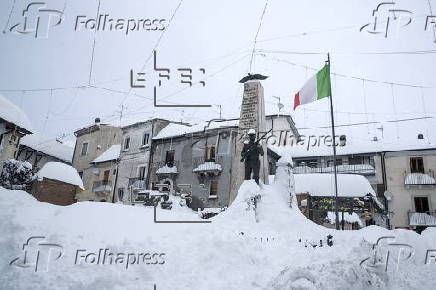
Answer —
(252, 117)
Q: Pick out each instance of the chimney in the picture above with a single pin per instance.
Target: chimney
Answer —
(97, 121)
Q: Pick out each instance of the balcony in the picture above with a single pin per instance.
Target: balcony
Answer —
(137, 183)
(422, 218)
(363, 169)
(419, 179)
(203, 165)
(102, 187)
(164, 167)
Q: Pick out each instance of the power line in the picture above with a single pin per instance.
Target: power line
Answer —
(367, 123)
(350, 76)
(257, 33)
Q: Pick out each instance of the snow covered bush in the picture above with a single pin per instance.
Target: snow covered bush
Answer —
(16, 175)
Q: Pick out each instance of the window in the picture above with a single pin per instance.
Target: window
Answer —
(106, 176)
(416, 165)
(141, 172)
(213, 188)
(120, 194)
(84, 149)
(309, 162)
(355, 160)
(421, 204)
(145, 139)
(338, 162)
(127, 143)
(169, 158)
(210, 153)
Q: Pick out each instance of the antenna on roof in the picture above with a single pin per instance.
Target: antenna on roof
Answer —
(279, 104)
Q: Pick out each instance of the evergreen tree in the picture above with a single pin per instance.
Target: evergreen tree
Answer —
(16, 175)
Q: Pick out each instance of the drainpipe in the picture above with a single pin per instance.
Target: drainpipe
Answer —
(150, 156)
(385, 185)
(115, 183)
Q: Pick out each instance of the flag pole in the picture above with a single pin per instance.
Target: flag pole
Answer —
(334, 153)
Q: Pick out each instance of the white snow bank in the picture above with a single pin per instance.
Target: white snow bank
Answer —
(318, 184)
(61, 172)
(113, 153)
(49, 146)
(233, 252)
(12, 114)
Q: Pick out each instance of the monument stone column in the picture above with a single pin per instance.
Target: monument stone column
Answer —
(252, 117)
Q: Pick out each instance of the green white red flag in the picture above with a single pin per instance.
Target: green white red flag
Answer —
(317, 87)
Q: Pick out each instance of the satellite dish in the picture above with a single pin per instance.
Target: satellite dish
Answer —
(388, 195)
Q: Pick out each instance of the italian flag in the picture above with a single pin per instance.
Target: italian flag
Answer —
(317, 87)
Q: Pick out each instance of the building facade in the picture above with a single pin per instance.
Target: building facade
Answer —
(411, 188)
(199, 159)
(13, 125)
(97, 174)
(135, 157)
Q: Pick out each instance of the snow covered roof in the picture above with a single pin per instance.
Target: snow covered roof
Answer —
(13, 114)
(381, 137)
(175, 130)
(110, 154)
(317, 184)
(419, 179)
(208, 166)
(61, 172)
(48, 146)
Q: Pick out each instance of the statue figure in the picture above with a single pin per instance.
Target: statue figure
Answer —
(250, 155)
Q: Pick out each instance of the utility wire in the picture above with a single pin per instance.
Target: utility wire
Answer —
(257, 33)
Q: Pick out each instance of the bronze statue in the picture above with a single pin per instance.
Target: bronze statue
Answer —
(250, 155)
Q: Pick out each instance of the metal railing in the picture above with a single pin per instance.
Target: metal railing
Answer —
(102, 183)
(419, 178)
(196, 161)
(137, 183)
(427, 218)
(364, 169)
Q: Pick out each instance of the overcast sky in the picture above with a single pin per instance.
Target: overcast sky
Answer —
(218, 36)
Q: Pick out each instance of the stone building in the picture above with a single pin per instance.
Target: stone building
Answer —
(198, 159)
(98, 175)
(14, 124)
(135, 157)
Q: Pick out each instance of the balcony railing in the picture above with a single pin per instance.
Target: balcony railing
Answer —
(364, 169)
(102, 186)
(196, 161)
(419, 178)
(164, 167)
(137, 183)
(422, 218)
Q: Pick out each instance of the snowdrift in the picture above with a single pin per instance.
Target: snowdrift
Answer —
(281, 250)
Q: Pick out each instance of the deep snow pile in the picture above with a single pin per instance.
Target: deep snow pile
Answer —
(280, 251)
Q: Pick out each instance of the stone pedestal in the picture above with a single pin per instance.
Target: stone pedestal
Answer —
(252, 117)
